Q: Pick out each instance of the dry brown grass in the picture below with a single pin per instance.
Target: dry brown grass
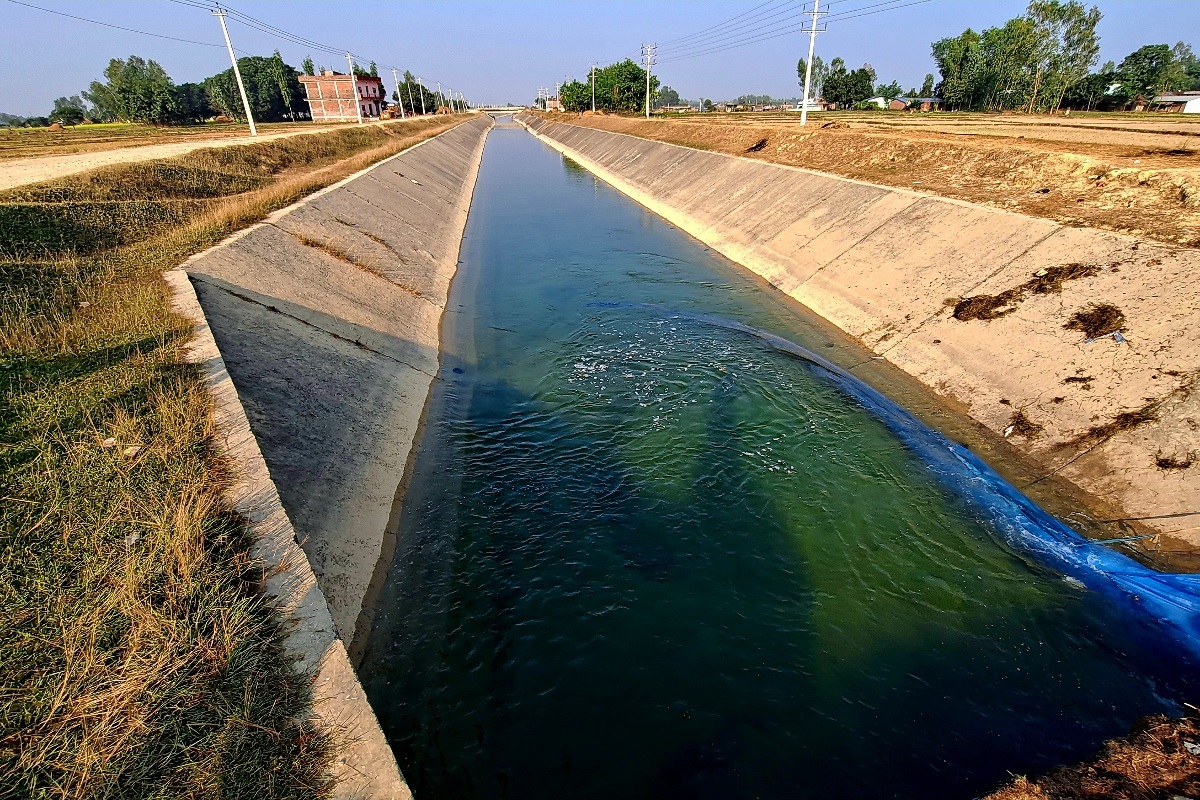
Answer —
(1155, 761)
(138, 660)
(1077, 177)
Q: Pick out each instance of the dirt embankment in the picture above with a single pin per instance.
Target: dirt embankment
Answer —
(1140, 182)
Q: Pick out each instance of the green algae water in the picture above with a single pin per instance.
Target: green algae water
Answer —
(647, 557)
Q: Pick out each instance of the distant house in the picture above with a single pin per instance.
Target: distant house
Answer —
(814, 104)
(333, 96)
(881, 102)
(553, 104)
(1182, 103)
(918, 103)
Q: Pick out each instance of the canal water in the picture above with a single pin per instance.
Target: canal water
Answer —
(646, 556)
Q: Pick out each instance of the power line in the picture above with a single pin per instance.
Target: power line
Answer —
(110, 25)
(775, 33)
(719, 24)
(741, 27)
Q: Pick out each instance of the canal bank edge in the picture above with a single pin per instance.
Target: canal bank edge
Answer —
(356, 302)
(888, 266)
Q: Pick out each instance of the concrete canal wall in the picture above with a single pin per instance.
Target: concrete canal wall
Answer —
(319, 333)
(889, 267)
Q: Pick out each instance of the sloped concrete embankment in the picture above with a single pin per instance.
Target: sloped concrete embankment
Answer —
(892, 267)
(327, 318)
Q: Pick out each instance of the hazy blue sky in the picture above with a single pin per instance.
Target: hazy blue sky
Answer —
(501, 51)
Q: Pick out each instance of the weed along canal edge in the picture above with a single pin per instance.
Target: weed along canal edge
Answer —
(659, 542)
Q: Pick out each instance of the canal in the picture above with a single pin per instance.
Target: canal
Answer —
(644, 555)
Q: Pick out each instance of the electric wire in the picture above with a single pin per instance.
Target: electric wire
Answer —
(775, 33)
(110, 25)
(714, 38)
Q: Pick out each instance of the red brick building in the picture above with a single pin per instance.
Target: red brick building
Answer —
(332, 95)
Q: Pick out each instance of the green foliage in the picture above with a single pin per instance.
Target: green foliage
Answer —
(410, 95)
(307, 67)
(619, 87)
(1029, 63)
(135, 90)
(69, 110)
(847, 88)
(889, 90)
(272, 87)
(819, 70)
(668, 96)
(1146, 70)
(927, 86)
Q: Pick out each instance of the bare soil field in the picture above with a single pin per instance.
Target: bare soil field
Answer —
(1134, 173)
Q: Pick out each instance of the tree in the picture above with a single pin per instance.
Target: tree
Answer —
(1065, 47)
(272, 89)
(927, 86)
(410, 92)
(374, 70)
(890, 90)
(960, 61)
(1146, 70)
(667, 96)
(819, 70)
(1183, 69)
(847, 88)
(68, 110)
(619, 87)
(134, 90)
(307, 66)
(870, 71)
(1089, 92)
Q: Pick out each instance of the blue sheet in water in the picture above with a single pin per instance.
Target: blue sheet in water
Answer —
(1171, 599)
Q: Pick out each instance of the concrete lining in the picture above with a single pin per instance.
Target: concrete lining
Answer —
(880, 263)
(318, 333)
(364, 765)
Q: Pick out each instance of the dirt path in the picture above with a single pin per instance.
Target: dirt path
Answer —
(22, 171)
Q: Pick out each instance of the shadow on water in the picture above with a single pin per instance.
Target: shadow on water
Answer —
(652, 558)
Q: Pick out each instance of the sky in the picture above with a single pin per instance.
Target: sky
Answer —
(502, 51)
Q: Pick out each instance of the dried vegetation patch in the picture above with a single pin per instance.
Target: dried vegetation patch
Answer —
(1159, 759)
(1094, 180)
(138, 659)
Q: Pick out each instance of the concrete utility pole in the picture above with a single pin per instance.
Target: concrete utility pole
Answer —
(812, 46)
(593, 88)
(440, 96)
(422, 85)
(648, 58)
(354, 88)
(398, 100)
(219, 13)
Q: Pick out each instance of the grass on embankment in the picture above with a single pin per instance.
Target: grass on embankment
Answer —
(137, 659)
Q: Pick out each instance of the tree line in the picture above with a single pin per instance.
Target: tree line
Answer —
(1043, 60)
(140, 90)
(619, 87)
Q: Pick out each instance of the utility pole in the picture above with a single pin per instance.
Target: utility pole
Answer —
(219, 13)
(422, 85)
(812, 46)
(593, 88)
(440, 96)
(648, 59)
(398, 100)
(354, 88)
